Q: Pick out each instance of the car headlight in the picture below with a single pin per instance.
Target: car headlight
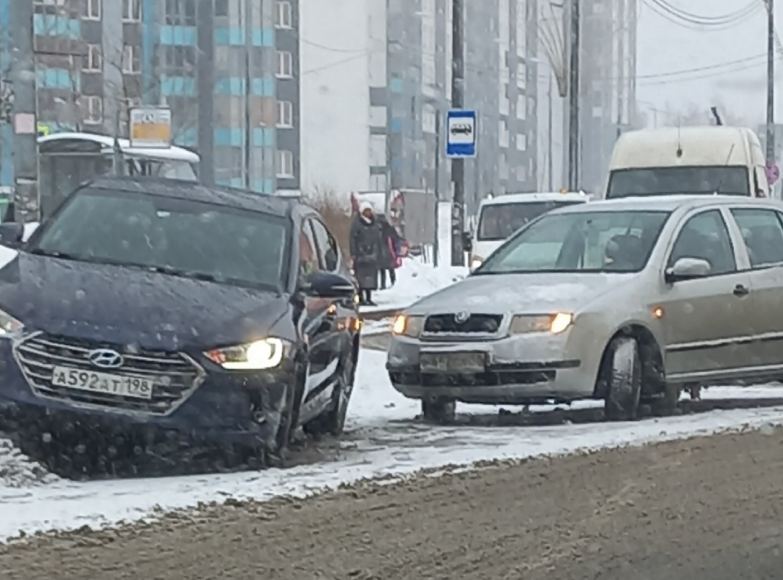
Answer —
(261, 354)
(554, 323)
(9, 326)
(410, 326)
(475, 262)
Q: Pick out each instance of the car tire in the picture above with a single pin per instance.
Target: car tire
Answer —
(623, 376)
(666, 404)
(439, 411)
(276, 454)
(332, 422)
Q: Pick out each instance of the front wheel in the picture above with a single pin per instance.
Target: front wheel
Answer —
(623, 375)
(333, 421)
(277, 452)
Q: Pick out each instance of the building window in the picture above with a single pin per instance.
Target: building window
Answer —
(221, 8)
(284, 18)
(131, 10)
(92, 60)
(285, 114)
(93, 9)
(92, 109)
(285, 64)
(285, 164)
(180, 12)
(180, 60)
(131, 59)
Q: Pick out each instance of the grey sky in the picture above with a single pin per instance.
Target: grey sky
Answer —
(666, 47)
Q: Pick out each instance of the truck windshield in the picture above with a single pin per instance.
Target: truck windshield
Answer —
(706, 180)
(498, 221)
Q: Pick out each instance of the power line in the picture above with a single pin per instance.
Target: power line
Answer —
(665, 12)
(750, 7)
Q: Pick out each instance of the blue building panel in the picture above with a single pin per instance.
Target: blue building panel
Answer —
(53, 25)
(187, 138)
(263, 137)
(178, 86)
(178, 35)
(396, 125)
(229, 137)
(264, 186)
(264, 37)
(57, 78)
(396, 85)
(236, 36)
(149, 36)
(263, 87)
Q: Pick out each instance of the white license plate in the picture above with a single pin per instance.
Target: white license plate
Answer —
(453, 362)
(93, 381)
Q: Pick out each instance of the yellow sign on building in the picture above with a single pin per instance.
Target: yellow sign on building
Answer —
(150, 127)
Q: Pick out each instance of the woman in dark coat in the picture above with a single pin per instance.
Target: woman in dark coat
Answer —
(366, 252)
(391, 243)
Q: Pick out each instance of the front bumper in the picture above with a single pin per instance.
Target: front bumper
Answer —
(222, 407)
(522, 369)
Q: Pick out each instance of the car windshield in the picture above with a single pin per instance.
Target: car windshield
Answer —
(678, 180)
(609, 241)
(175, 236)
(499, 221)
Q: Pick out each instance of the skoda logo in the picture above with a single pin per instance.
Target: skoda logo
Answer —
(105, 358)
(461, 317)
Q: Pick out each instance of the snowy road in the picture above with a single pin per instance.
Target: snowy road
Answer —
(382, 440)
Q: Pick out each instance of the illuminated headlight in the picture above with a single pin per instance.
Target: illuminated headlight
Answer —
(475, 262)
(9, 326)
(254, 356)
(554, 323)
(409, 326)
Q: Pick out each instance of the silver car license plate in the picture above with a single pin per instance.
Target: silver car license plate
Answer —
(453, 362)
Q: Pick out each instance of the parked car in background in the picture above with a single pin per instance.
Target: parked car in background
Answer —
(499, 217)
(687, 160)
(164, 306)
(627, 301)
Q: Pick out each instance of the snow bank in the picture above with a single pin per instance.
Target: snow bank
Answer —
(17, 470)
(415, 280)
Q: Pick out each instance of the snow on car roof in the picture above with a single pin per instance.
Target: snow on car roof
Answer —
(667, 203)
(172, 153)
(535, 197)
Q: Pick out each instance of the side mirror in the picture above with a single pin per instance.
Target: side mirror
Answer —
(687, 269)
(12, 235)
(328, 285)
(467, 242)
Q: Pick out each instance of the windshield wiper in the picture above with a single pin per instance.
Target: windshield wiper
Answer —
(178, 272)
(55, 254)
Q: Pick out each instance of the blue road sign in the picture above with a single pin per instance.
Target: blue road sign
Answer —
(461, 133)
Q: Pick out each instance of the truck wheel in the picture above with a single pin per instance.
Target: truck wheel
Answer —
(623, 376)
(440, 411)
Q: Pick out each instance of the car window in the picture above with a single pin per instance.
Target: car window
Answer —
(308, 258)
(590, 241)
(499, 221)
(706, 237)
(327, 247)
(763, 235)
(182, 236)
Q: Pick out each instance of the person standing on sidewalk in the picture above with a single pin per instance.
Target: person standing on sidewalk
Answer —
(391, 260)
(366, 245)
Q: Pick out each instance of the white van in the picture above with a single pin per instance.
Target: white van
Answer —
(687, 160)
(501, 216)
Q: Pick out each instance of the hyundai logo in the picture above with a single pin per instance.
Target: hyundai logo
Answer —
(461, 317)
(105, 358)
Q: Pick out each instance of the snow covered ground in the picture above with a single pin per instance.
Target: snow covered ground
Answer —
(382, 439)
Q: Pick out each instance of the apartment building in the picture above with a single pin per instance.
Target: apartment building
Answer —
(228, 69)
(87, 61)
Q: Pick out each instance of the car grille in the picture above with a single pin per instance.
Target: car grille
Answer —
(175, 375)
(452, 324)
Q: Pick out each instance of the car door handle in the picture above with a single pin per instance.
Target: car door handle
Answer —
(740, 290)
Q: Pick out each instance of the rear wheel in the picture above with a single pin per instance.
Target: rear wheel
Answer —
(623, 375)
(440, 411)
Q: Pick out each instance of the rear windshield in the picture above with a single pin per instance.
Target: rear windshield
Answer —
(704, 180)
(498, 221)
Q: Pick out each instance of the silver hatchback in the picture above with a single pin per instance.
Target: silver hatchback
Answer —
(627, 301)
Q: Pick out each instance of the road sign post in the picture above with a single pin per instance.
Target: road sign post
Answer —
(150, 127)
(461, 134)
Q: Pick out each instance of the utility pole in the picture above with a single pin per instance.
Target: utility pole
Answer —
(550, 161)
(436, 243)
(770, 80)
(573, 99)
(457, 164)
(621, 64)
(247, 142)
